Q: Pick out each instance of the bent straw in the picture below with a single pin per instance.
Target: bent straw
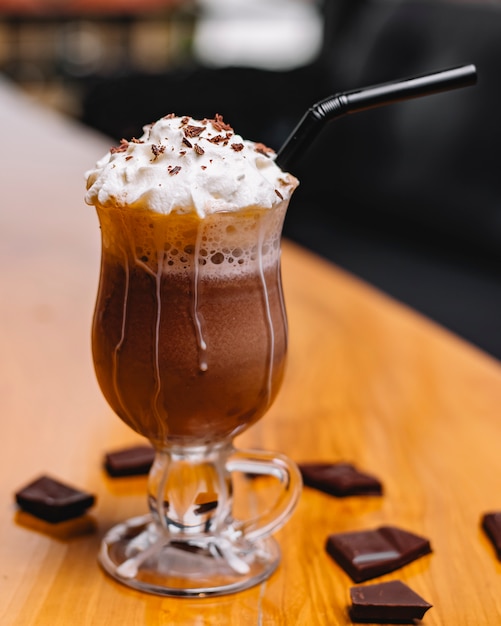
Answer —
(366, 98)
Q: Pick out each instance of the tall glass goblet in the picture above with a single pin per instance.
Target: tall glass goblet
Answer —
(189, 343)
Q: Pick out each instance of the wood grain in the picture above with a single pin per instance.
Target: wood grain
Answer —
(368, 381)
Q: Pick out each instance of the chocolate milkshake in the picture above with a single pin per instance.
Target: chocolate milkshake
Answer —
(189, 341)
(189, 334)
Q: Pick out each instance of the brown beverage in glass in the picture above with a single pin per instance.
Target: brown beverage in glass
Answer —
(189, 334)
(189, 341)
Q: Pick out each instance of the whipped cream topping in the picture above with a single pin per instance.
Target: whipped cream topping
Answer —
(184, 165)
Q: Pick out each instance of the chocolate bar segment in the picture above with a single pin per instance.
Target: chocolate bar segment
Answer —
(491, 523)
(340, 479)
(390, 602)
(369, 553)
(53, 501)
(132, 461)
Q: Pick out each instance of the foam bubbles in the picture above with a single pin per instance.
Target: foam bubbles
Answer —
(226, 244)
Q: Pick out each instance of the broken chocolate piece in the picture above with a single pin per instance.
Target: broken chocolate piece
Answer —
(133, 461)
(387, 602)
(206, 507)
(340, 479)
(491, 523)
(52, 500)
(369, 553)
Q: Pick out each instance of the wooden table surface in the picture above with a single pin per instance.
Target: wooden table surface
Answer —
(368, 381)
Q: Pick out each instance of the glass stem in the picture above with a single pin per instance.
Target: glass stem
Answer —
(190, 490)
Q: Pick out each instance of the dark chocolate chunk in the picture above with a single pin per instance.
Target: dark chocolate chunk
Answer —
(52, 500)
(132, 461)
(369, 553)
(491, 523)
(340, 479)
(206, 507)
(390, 602)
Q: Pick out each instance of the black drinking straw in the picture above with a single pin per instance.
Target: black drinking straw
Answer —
(341, 104)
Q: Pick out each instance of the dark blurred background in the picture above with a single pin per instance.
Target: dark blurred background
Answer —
(406, 197)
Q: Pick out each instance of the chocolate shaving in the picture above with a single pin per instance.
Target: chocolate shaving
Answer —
(187, 143)
(237, 146)
(157, 150)
(124, 144)
(199, 150)
(262, 149)
(279, 194)
(193, 131)
(134, 140)
(219, 124)
(217, 139)
(174, 170)
(128, 158)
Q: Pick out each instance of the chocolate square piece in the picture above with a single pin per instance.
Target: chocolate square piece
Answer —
(133, 461)
(369, 553)
(383, 603)
(52, 500)
(491, 523)
(340, 479)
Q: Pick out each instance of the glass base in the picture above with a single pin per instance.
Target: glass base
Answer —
(137, 555)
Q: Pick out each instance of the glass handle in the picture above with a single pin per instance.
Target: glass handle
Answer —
(257, 462)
